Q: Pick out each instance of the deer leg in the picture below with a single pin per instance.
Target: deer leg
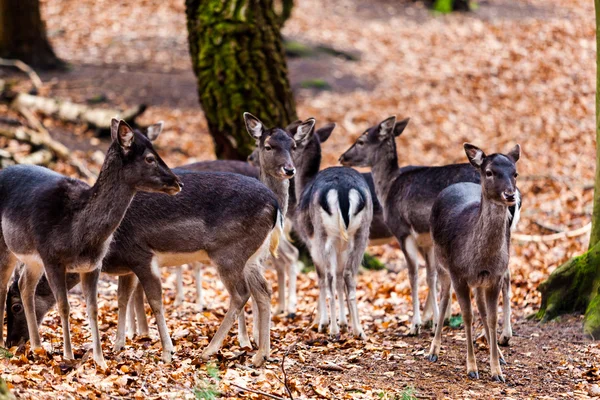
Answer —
(30, 276)
(7, 266)
(140, 310)
(410, 250)
(506, 311)
(153, 289)
(292, 273)
(179, 292)
(279, 265)
(432, 294)
(487, 331)
(239, 294)
(334, 329)
(434, 351)
(57, 279)
(491, 300)
(261, 298)
(243, 338)
(463, 293)
(131, 325)
(323, 316)
(127, 284)
(89, 284)
(199, 292)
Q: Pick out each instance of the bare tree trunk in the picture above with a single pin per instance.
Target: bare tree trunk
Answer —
(238, 58)
(23, 34)
(575, 285)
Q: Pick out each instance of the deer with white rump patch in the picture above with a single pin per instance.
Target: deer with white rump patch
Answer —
(407, 195)
(470, 226)
(55, 224)
(333, 216)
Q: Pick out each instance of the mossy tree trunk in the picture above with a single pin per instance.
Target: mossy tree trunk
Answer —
(575, 286)
(23, 34)
(238, 58)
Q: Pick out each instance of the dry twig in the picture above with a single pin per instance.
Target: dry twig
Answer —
(33, 76)
(556, 236)
(243, 389)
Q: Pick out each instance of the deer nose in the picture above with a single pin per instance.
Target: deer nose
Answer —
(289, 171)
(509, 196)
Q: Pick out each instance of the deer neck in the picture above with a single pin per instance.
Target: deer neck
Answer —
(385, 170)
(307, 171)
(106, 203)
(490, 230)
(278, 186)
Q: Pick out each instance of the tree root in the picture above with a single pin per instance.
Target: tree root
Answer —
(573, 288)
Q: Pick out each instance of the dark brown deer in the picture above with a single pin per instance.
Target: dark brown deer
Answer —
(470, 226)
(55, 224)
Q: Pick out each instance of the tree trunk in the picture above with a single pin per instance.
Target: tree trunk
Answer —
(23, 34)
(575, 286)
(238, 58)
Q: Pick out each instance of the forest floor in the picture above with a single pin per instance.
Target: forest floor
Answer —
(512, 71)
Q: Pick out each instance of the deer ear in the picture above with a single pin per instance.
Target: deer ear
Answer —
(114, 125)
(154, 130)
(324, 132)
(386, 126)
(515, 153)
(253, 125)
(475, 154)
(304, 129)
(125, 136)
(400, 126)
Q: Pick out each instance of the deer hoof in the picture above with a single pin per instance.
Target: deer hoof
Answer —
(361, 336)
(473, 375)
(504, 341)
(258, 360)
(118, 347)
(502, 361)
(343, 328)
(291, 315)
(415, 330)
(167, 356)
(432, 357)
(498, 378)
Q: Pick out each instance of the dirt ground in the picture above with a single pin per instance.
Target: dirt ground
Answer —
(512, 71)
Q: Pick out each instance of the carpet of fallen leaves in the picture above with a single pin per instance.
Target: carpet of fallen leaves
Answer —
(512, 71)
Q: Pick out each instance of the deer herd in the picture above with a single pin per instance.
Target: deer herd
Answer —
(140, 216)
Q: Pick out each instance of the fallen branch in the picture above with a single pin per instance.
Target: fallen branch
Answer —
(556, 236)
(73, 112)
(36, 138)
(243, 389)
(33, 76)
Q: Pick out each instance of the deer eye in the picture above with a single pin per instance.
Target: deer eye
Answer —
(489, 173)
(17, 308)
(150, 159)
(516, 174)
(268, 148)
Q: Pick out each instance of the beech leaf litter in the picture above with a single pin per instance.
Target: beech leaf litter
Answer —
(512, 71)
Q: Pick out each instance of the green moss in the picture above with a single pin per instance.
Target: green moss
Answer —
(372, 263)
(591, 323)
(316, 83)
(570, 288)
(294, 48)
(239, 62)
